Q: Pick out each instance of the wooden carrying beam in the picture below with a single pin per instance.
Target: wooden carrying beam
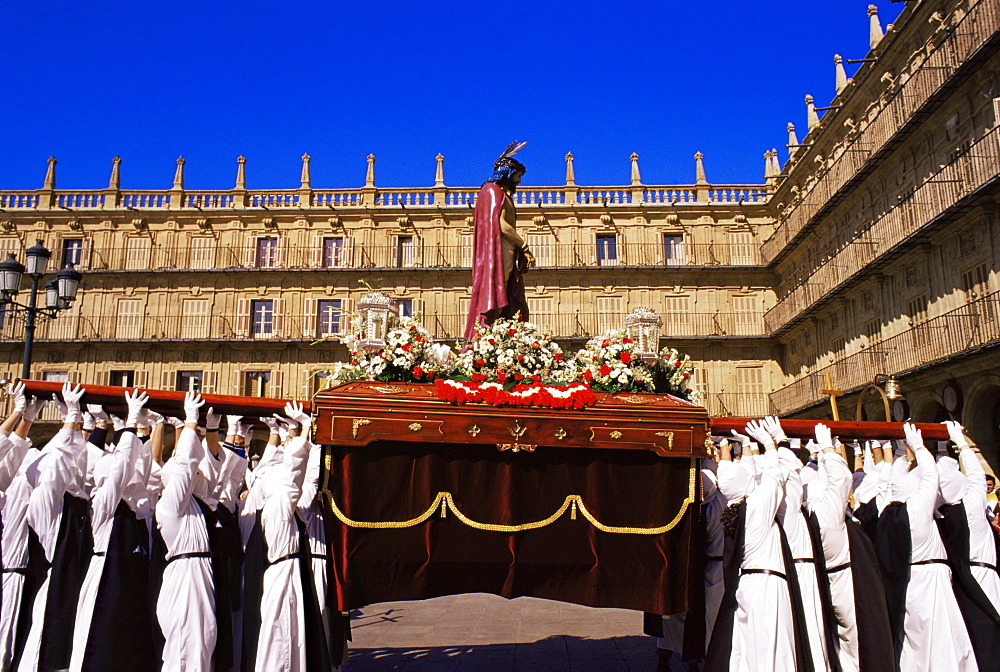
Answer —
(167, 402)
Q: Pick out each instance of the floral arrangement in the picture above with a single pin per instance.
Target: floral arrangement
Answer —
(512, 352)
(672, 374)
(576, 395)
(409, 356)
(611, 363)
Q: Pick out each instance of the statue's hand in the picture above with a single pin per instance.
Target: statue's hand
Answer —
(530, 258)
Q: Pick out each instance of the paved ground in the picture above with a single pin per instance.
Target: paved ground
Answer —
(489, 633)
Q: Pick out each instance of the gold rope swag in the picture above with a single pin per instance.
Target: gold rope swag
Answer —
(444, 501)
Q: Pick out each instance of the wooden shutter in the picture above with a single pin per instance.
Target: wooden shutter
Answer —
(281, 253)
(316, 252)
(202, 252)
(309, 313)
(747, 317)
(136, 253)
(243, 318)
(465, 254)
(210, 381)
(347, 255)
(194, 321)
(609, 313)
(540, 244)
(141, 378)
(129, 323)
(277, 384)
(250, 252)
(168, 380)
(279, 318)
(85, 251)
(741, 248)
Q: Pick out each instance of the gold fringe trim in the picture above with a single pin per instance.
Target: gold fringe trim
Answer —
(444, 501)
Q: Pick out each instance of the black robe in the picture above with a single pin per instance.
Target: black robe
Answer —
(893, 547)
(875, 650)
(121, 634)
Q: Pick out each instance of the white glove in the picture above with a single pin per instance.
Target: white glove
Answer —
(283, 432)
(812, 447)
(773, 427)
(60, 406)
(271, 423)
(135, 401)
(795, 445)
(757, 431)
(176, 422)
(956, 433)
(823, 436)
(17, 394)
(31, 410)
(71, 395)
(212, 419)
(246, 431)
(742, 438)
(856, 446)
(192, 405)
(117, 423)
(88, 422)
(233, 423)
(914, 437)
(152, 417)
(293, 410)
(98, 412)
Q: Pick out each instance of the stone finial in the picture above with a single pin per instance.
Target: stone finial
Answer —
(874, 27)
(812, 119)
(841, 78)
(306, 179)
(774, 160)
(768, 166)
(179, 174)
(370, 174)
(50, 174)
(116, 175)
(570, 174)
(793, 139)
(439, 170)
(699, 169)
(241, 172)
(636, 178)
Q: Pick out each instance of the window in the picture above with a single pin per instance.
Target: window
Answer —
(873, 330)
(72, 252)
(122, 378)
(916, 308)
(3, 316)
(540, 309)
(607, 249)
(56, 376)
(333, 252)
(202, 252)
(262, 319)
(129, 323)
(541, 245)
(609, 313)
(189, 381)
(747, 316)
(194, 320)
(405, 307)
(136, 253)
(404, 251)
(255, 383)
(676, 316)
(267, 252)
(975, 282)
(750, 388)
(465, 255)
(742, 250)
(673, 250)
(330, 314)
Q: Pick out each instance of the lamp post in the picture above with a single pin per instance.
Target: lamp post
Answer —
(59, 293)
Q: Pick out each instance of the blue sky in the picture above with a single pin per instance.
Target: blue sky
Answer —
(340, 79)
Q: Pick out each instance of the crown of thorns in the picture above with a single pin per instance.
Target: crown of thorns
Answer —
(507, 159)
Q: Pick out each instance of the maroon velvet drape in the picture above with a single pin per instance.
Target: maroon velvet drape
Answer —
(567, 560)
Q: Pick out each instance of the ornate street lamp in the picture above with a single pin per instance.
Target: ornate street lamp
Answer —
(378, 316)
(643, 327)
(59, 293)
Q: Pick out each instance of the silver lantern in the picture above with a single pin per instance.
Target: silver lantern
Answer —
(378, 316)
(643, 327)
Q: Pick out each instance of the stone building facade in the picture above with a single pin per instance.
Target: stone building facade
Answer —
(871, 251)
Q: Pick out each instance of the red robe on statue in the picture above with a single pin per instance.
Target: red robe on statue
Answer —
(493, 295)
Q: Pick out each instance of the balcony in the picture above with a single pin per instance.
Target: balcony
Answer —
(156, 328)
(893, 122)
(356, 256)
(738, 405)
(959, 332)
(943, 195)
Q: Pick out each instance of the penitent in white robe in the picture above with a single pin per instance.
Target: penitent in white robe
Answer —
(14, 545)
(934, 634)
(827, 498)
(110, 478)
(189, 632)
(281, 646)
(56, 473)
(763, 634)
(981, 546)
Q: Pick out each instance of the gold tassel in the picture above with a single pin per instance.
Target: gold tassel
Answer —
(444, 508)
(572, 511)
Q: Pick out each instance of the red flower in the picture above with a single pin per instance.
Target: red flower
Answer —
(478, 377)
(625, 357)
(689, 390)
(418, 371)
(677, 364)
(501, 376)
(480, 362)
(431, 375)
(535, 346)
(512, 332)
(605, 343)
(626, 341)
(518, 376)
(419, 339)
(492, 341)
(537, 378)
(588, 375)
(413, 327)
(685, 377)
(558, 356)
(406, 347)
(520, 358)
(605, 369)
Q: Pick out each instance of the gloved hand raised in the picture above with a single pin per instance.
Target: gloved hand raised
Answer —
(17, 394)
(135, 401)
(824, 437)
(756, 430)
(956, 433)
(97, 411)
(293, 410)
(192, 406)
(914, 437)
(773, 427)
(212, 419)
(32, 409)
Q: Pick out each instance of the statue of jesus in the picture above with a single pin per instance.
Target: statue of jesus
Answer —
(499, 255)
